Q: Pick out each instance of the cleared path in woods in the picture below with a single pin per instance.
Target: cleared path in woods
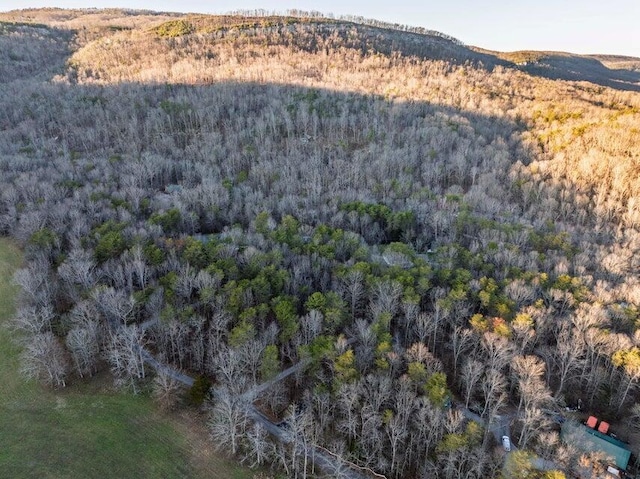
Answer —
(86, 430)
(321, 457)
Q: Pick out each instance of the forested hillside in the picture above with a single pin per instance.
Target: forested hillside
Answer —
(418, 222)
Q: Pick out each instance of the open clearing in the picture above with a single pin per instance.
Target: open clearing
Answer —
(87, 431)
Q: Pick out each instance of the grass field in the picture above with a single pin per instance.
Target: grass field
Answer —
(86, 430)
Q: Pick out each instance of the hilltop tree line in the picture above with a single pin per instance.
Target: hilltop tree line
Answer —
(452, 232)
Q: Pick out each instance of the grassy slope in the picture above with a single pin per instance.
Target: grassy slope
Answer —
(84, 431)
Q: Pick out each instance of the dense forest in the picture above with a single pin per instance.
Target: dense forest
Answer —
(426, 227)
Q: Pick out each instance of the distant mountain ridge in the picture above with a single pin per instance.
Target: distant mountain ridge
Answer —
(615, 71)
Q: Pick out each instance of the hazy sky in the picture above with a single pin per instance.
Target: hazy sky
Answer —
(578, 26)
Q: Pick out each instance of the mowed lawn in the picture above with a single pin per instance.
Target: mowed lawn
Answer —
(85, 430)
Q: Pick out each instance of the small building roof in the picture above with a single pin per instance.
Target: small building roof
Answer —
(591, 440)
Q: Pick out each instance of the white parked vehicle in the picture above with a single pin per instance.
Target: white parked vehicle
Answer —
(506, 443)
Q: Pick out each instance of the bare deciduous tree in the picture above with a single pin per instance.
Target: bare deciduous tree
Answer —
(259, 449)
(494, 393)
(227, 421)
(125, 356)
(44, 359)
(115, 305)
(353, 290)
(33, 319)
(528, 372)
(461, 342)
(166, 390)
(470, 376)
(83, 344)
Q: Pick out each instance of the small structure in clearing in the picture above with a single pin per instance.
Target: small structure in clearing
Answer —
(589, 439)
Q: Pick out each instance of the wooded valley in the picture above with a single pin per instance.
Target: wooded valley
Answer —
(428, 227)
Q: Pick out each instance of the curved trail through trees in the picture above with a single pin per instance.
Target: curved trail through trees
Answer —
(322, 458)
(173, 373)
